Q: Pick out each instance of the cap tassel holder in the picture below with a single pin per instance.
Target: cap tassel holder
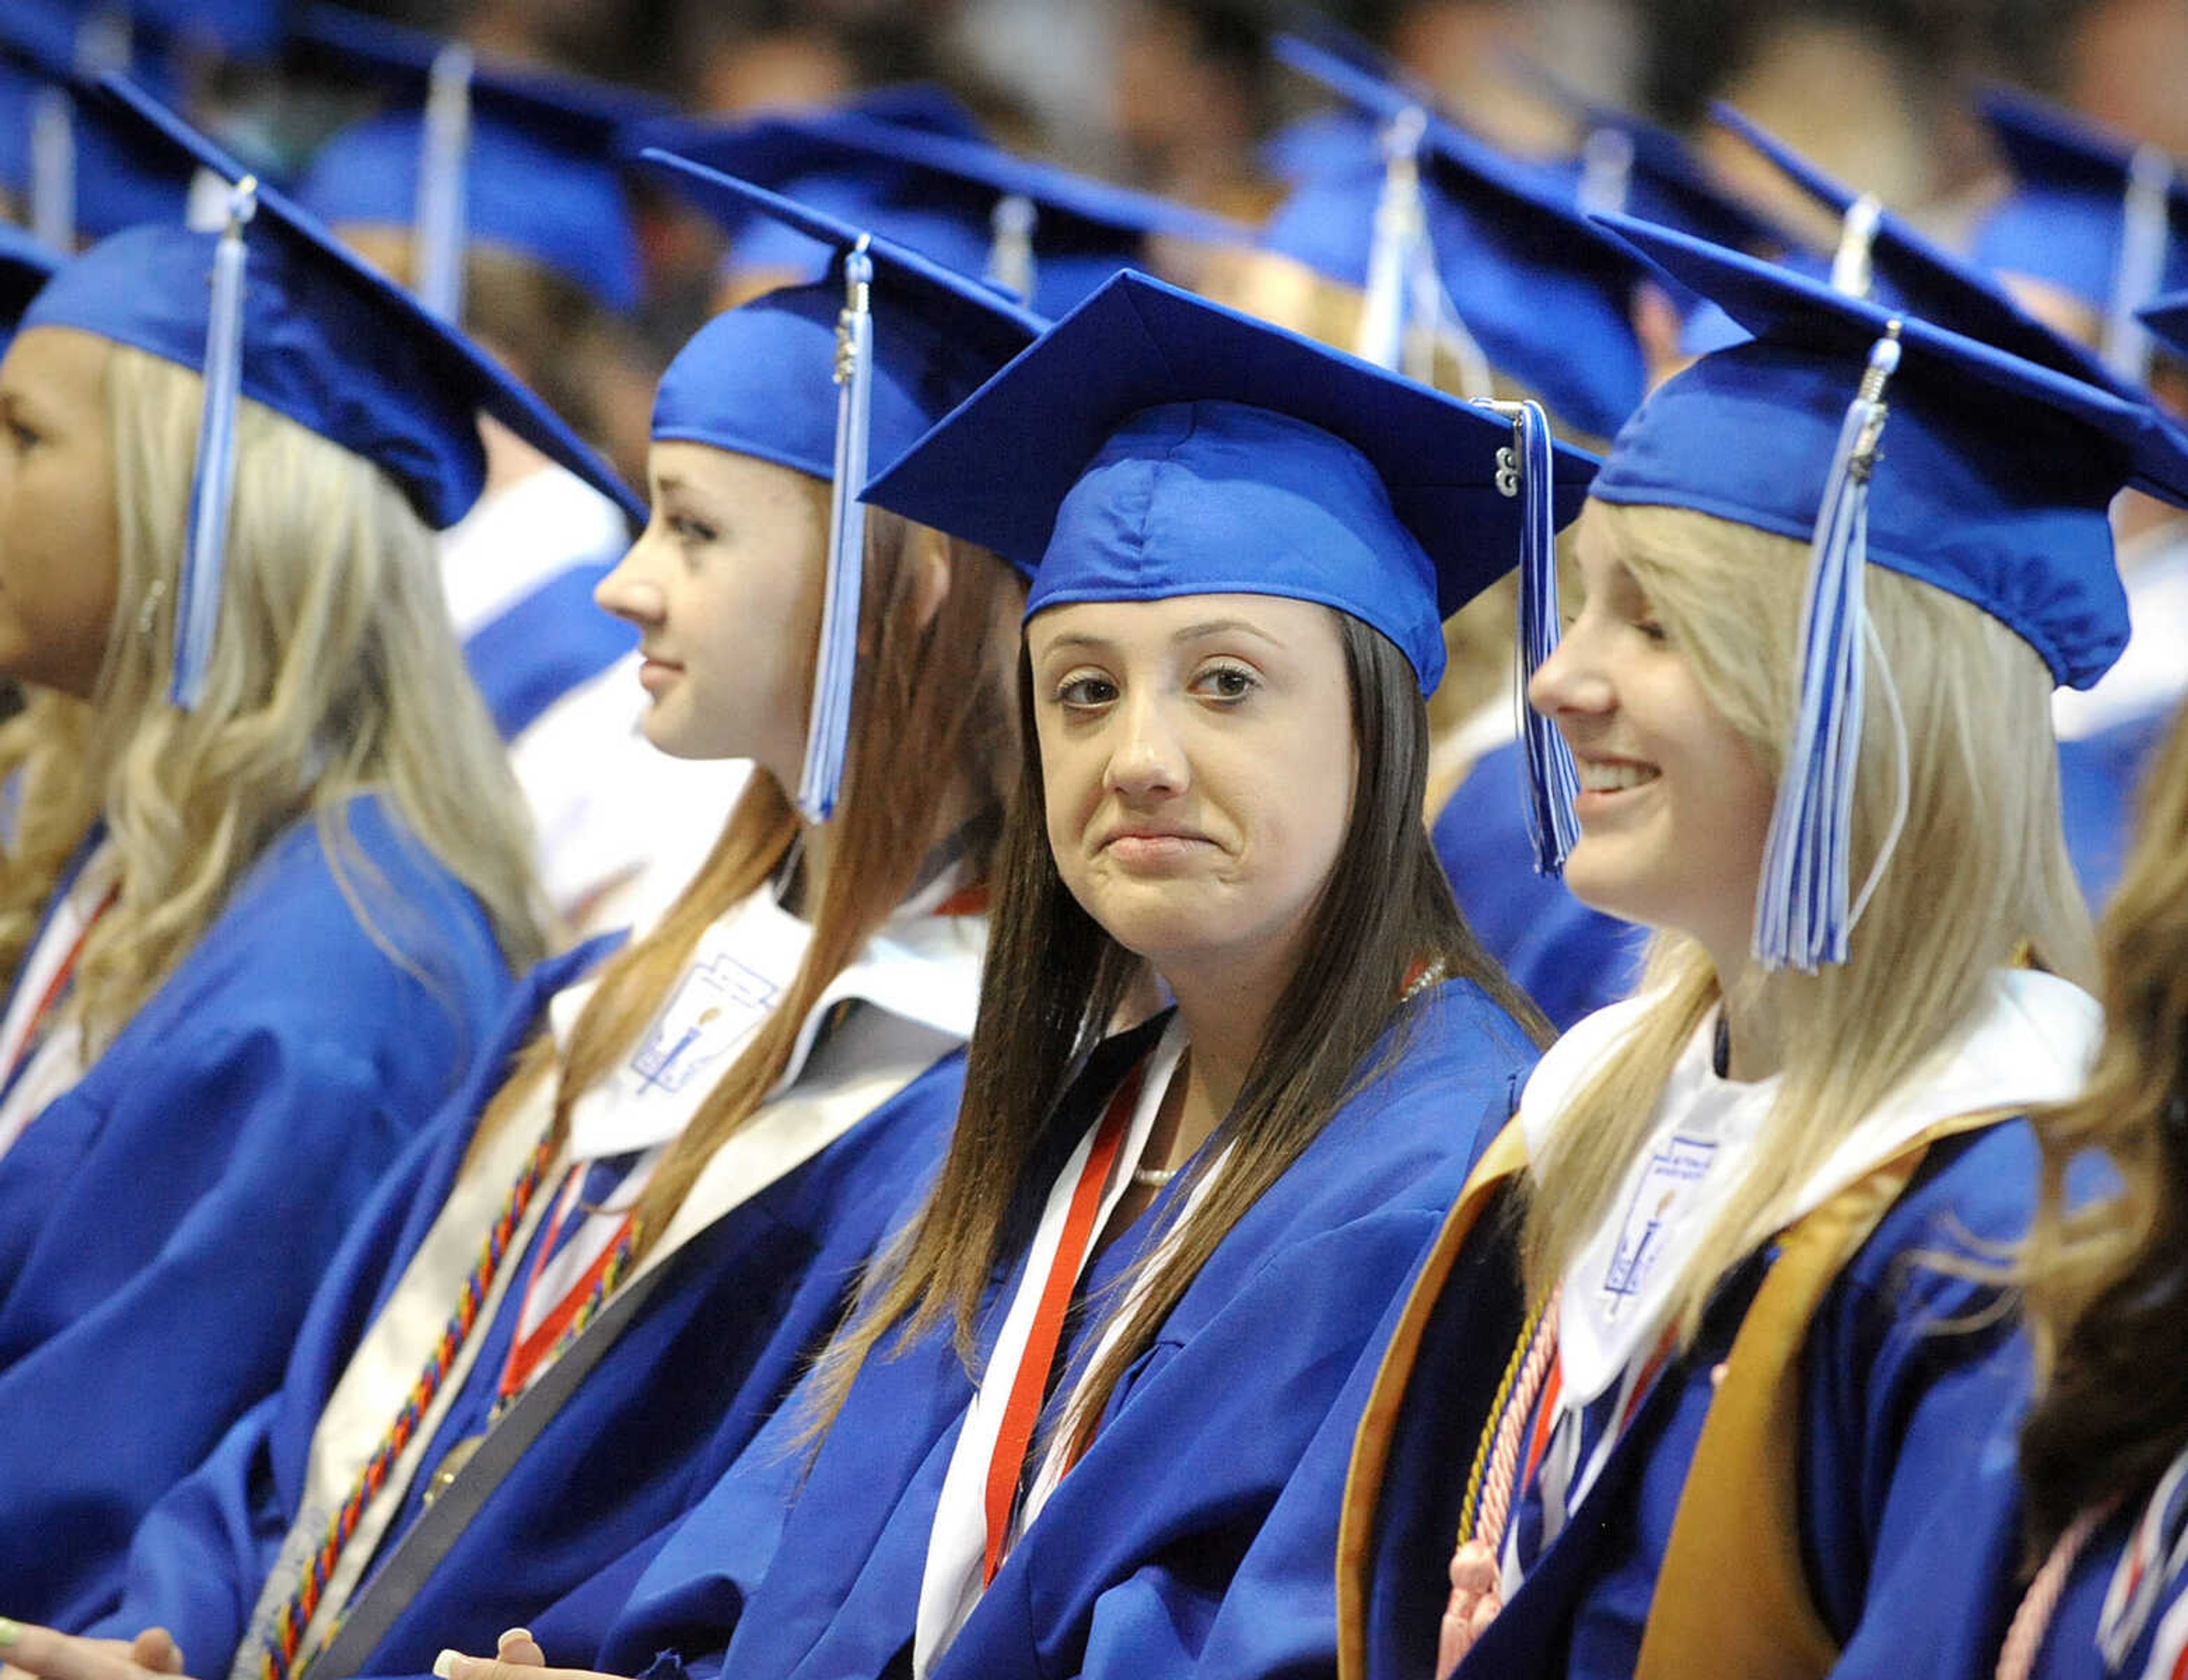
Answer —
(1802, 918)
(1525, 468)
(2145, 233)
(1852, 271)
(53, 170)
(828, 732)
(443, 147)
(212, 483)
(1011, 263)
(1395, 251)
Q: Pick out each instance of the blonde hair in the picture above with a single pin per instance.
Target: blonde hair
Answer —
(335, 672)
(1980, 874)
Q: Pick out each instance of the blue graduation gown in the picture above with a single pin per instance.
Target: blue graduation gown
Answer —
(529, 656)
(701, 1367)
(2099, 777)
(163, 1222)
(1571, 959)
(1177, 1541)
(1892, 1407)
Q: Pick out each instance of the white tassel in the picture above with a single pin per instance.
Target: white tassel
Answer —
(2146, 231)
(1606, 172)
(1011, 263)
(1393, 252)
(444, 152)
(835, 667)
(52, 169)
(1803, 916)
(1852, 271)
(212, 483)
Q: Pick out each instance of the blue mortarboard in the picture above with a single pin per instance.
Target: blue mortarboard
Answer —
(1050, 235)
(1992, 482)
(476, 153)
(275, 309)
(831, 378)
(1882, 257)
(2167, 318)
(26, 265)
(2091, 213)
(241, 27)
(1450, 227)
(73, 178)
(1152, 444)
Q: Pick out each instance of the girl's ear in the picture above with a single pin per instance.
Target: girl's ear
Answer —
(930, 576)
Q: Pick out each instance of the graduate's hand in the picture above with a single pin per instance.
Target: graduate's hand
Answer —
(31, 1650)
(516, 1657)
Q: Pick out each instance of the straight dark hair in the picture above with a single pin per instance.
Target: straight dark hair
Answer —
(1053, 985)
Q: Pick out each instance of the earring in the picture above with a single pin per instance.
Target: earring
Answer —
(148, 613)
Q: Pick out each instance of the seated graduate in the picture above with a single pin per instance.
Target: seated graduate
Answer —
(266, 874)
(1060, 1432)
(1746, 1201)
(2093, 231)
(638, 1222)
(495, 192)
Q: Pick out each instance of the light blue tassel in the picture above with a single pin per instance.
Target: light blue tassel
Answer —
(1606, 172)
(1011, 263)
(1525, 470)
(444, 148)
(212, 482)
(1395, 252)
(828, 729)
(1853, 265)
(2146, 231)
(1802, 918)
(53, 170)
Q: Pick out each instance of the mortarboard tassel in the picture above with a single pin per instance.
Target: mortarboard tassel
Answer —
(1851, 269)
(1010, 251)
(1523, 470)
(53, 170)
(1606, 172)
(828, 728)
(2146, 230)
(1401, 236)
(1802, 918)
(213, 481)
(444, 146)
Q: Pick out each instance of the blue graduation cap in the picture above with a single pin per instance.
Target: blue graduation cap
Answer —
(273, 308)
(1048, 235)
(2091, 213)
(476, 153)
(1152, 444)
(1451, 233)
(241, 28)
(1877, 437)
(1884, 258)
(26, 265)
(831, 378)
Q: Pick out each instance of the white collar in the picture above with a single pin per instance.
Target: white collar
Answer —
(519, 536)
(921, 968)
(2029, 1042)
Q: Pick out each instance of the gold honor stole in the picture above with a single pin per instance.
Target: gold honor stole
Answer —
(1739, 1513)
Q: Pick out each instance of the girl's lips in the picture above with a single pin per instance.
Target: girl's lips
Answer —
(655, 674)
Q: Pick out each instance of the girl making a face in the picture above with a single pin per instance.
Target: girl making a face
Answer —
(1060, 1432)
(627, 1236)
(1745, 1200)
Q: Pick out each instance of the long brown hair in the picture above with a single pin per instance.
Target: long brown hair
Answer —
(2107, 1282)
(927, 720)
(1054, 983)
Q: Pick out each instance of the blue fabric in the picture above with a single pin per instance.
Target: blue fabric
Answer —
(1892, 1401)
(945, 185)
(2064, 221)
(685, 1387)
(1151, 445)
(327, 342)
(760, 379)
(241, 1118)
(1571, 959)
(1994, 479)
(1178, 1542)
(2098, 776)
(525, 659)
(558, 207)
